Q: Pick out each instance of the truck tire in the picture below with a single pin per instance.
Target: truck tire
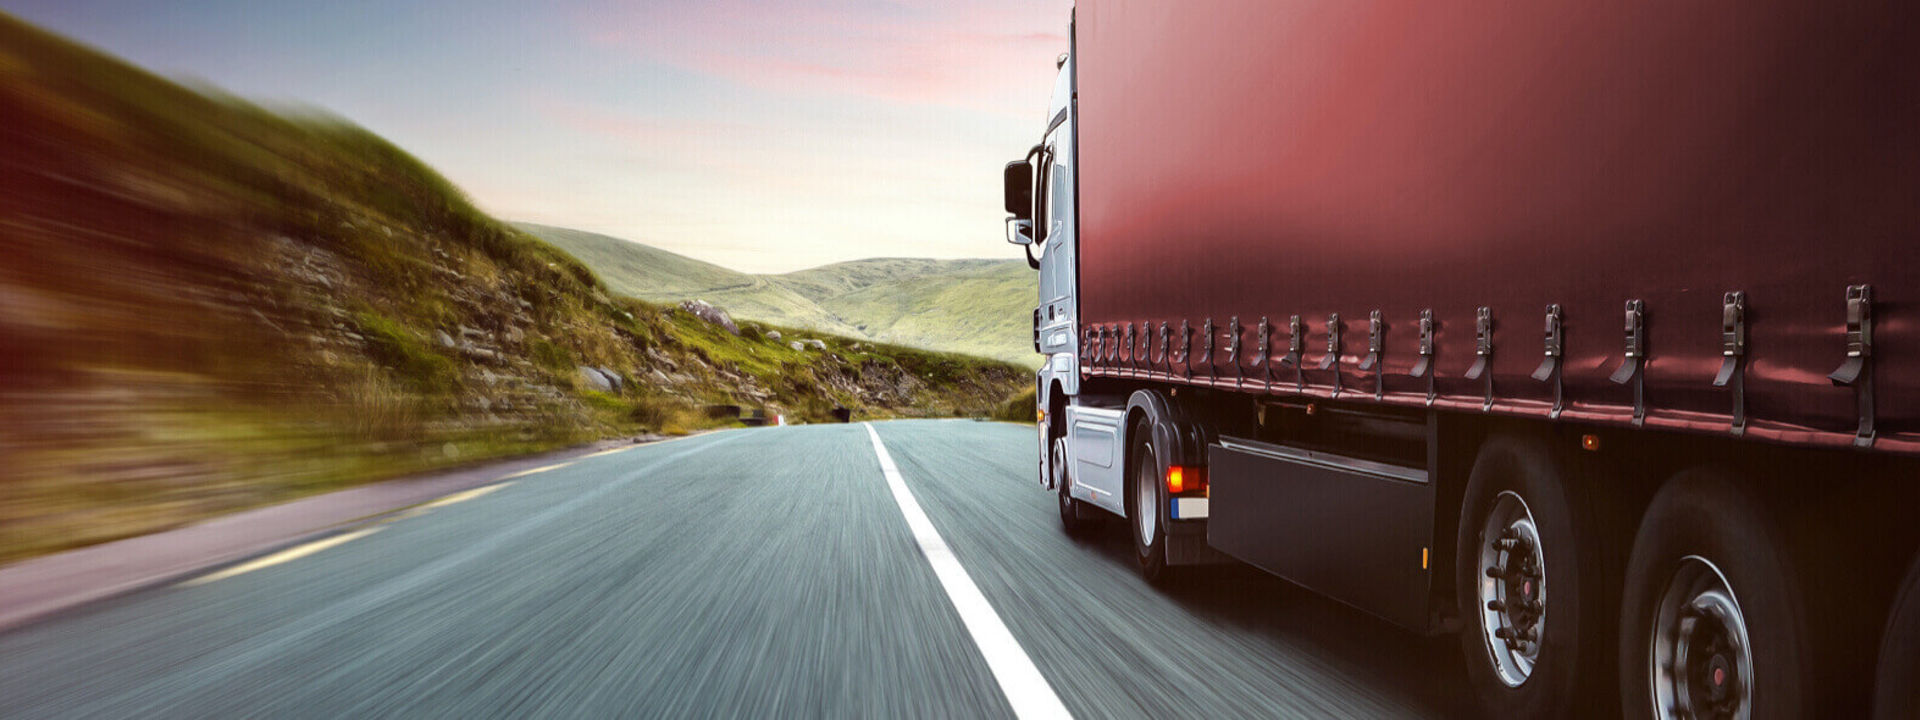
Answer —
(1896, 684)
(1712, 618)
(1075, 516)
(1147, 502)
(1530, 576)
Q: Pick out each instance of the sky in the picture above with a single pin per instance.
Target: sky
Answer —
(763, 135)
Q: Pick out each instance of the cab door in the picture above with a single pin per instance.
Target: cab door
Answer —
(1055, 229)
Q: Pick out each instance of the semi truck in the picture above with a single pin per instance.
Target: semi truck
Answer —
(1586, 332)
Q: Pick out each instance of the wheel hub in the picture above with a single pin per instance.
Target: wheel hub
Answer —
(1512, 588)
(1700, 656)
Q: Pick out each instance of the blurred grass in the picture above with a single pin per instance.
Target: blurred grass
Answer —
(208, 305)
(1018, 409)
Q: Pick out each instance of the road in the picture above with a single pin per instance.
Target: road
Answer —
(751, 573)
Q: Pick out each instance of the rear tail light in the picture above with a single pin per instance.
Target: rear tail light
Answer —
(1184, 479)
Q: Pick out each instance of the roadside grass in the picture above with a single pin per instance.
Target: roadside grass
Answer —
(397, 348)
(1018, 409)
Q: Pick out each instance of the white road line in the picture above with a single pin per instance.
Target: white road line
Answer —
(1019, 679)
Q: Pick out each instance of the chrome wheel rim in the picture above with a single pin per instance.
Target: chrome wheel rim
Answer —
(1512, 589)
(1146, 503)
(1700, 660)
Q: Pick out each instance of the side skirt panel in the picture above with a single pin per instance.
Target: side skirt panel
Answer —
(1356, 531)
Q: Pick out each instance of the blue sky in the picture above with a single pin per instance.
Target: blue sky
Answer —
(764, 135)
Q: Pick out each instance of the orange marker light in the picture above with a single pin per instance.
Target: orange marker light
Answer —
(1590, 443)
(1183, 479)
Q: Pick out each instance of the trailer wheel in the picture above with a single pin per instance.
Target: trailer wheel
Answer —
(1075, 516)
(1529, 572)
(1712, 622)
(1896, 685)
(1146, 504)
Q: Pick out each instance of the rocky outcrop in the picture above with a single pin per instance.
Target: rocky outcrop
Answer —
(705, 311)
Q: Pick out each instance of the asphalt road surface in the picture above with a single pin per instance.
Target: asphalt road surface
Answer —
(774, 572)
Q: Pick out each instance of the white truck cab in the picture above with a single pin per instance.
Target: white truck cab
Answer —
(1082, 437)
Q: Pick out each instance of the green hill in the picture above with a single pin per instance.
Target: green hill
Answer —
(976, 307)
(207, 306)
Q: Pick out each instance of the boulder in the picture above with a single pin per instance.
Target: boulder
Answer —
(797, 347)
(445, 339)
(773, 334)
(612, 377)
(816, 343)
(701, 309)
(479, 353)
(595, 380)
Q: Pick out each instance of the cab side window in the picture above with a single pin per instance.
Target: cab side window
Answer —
(1057, 188)
(1042, 203)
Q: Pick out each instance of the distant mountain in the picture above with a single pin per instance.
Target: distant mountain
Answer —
(977, 307)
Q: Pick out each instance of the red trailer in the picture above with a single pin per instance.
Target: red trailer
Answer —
(1446, 304)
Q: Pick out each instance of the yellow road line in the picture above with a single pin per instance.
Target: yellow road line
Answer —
(287, 555)
(524, 473)
(463, 496)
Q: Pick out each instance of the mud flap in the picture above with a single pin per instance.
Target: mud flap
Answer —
(1187, 545)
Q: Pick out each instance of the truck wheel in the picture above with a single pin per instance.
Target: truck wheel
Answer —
(1146, 505)
(1896, 685)
(1529, 572)
(1712, 623)
(1075, 516)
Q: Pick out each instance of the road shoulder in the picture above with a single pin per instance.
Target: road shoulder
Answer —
(35, 589)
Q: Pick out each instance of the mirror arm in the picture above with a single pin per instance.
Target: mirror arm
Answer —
(1032, 262)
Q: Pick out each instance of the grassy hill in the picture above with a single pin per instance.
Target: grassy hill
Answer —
(637, 270)
(976, 307)
(206, 306)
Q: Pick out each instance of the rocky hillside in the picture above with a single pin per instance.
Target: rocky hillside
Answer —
(206, 305)
(977, 307)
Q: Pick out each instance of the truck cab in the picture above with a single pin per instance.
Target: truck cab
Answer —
(1039, 198)
(1082, 436)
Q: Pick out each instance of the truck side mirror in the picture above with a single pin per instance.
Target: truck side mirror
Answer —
(1020, 231)
(1019, 177)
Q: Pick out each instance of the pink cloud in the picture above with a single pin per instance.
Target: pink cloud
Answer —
(910, 52)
